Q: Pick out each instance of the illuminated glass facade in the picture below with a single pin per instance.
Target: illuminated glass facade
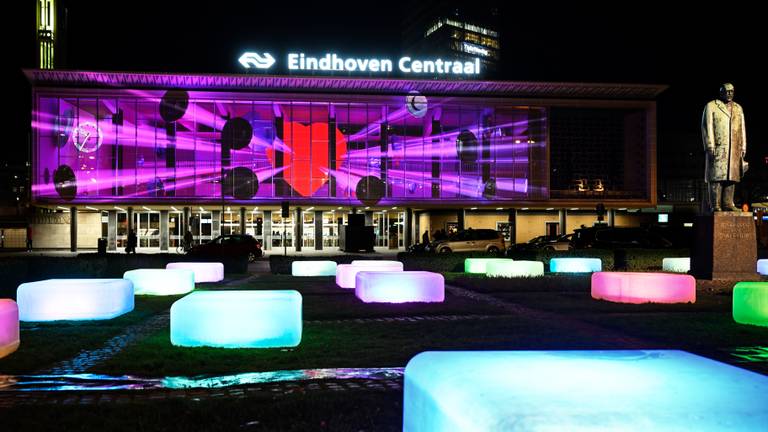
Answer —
(95, 146)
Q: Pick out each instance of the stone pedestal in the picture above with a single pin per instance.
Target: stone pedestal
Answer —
(724, 247)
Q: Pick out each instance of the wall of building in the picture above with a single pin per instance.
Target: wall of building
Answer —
(14, 238)
(51, 230)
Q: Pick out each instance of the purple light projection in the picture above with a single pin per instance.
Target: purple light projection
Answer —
(127, 145)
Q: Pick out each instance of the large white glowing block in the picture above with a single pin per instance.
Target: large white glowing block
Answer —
(655, 390)
(750, 303)
(237, 319)
(575, 265)
(629, 287)
(479, 265)
(161, 282)
(399, 287)
(313, 268)
(74, 299)
(9, 327)
(762, 267)
(513, 269)
(345, 273)
(204, 271)
(676, 265)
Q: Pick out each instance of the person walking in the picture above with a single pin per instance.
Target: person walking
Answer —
(132, 241)
(29, 239)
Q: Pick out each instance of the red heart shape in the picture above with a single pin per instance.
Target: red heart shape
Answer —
(308, 155)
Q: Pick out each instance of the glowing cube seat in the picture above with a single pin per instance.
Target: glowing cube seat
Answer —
(204, 271)
(676, 265)
(629, 287)
(479, 265)
(74, 299)
(515, 269)
(399, 287)
(9, 327)
(654, 390)
(762, 267)
(345, 273)
(575, 265)
(237, 319)
(750, 303)
(161, 282)
(313, 268)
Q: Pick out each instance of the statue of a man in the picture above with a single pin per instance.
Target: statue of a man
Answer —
(725, 143)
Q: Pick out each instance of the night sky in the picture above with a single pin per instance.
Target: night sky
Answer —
(638, 42)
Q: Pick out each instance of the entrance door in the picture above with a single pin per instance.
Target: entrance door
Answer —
(147, 225)
(553, 228)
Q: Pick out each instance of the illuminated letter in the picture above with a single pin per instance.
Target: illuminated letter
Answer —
(325, 62)
(386, 65)
(292, 61)
(402, 66)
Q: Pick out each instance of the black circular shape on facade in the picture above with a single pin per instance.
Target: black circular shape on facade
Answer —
(370, 190)
(173, 105)
(466, 146)
(241, 183)
(65, 181)
(237, 133)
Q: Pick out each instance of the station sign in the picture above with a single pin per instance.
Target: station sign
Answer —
(332, 62)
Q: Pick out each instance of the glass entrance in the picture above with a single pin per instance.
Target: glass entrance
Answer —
(388, 229)
(147, 226)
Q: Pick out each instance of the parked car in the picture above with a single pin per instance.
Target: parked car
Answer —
(617, 238)
(230, 245)
(470, 240)
(560, 243)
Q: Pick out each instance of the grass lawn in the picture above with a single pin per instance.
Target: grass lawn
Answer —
(351, 344)
(706, 326)
(43, 344)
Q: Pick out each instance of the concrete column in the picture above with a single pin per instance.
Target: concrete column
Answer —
(512, 219)
(368, 218)
(408, 228)
(130, 219)
(73, 229)
(185, 221)
(112, 230)
(298, 228)
(460, 214)
(267, 230)
(242, 220)
(562, 216)
(611, 217)
(164, 230)
(318, 230)
(216, 223)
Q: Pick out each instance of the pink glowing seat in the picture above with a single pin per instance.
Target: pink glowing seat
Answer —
(345, 273)
(399, 286)
(9, 327)
(628, 287)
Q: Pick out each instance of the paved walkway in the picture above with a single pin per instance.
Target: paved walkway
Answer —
(85, 360)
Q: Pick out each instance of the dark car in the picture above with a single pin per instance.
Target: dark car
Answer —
(230, 245)
(618, 238)
(546, 243)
